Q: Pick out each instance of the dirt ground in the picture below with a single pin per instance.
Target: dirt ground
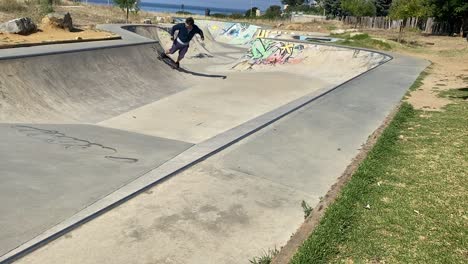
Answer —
(50, 35)
(449, 69)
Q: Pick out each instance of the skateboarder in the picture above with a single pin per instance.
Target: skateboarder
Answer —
(186, 32)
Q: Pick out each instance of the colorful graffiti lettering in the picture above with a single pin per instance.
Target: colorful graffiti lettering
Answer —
(265, 51)
(262, 33)
(236, 29)
(231, 33)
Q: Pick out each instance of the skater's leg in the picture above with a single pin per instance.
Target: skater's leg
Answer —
(173, 49)
(182, 52)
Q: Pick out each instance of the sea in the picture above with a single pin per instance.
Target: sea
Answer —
(171, 8)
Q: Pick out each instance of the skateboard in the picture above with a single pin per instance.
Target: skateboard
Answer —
(163, 57)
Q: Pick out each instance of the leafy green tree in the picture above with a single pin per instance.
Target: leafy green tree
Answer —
(455, 12)
(382, 7)
(127, 5)
(293, 2)
(251, 12)
(404, 9)
(273, 11)
(359, 8)
(332, 7)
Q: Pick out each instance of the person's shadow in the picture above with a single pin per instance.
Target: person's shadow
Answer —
(201, 74)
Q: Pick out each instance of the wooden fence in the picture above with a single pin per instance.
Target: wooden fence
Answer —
(426, 25)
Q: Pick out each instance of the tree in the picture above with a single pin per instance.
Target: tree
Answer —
(293, 2)
(382, 7)
(455, 12)
(332, 7)
(404, 9)
(127, 5)
(273, 11)
(359, 8)
(251, 12)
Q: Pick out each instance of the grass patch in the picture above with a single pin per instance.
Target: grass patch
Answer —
(456, 94)
(453, 52)
(265, 258)
(34, 9)
(306, 208)
(415, 181)
(419, 80)
(362, 41)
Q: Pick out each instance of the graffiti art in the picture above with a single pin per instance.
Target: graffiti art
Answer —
(264, 51)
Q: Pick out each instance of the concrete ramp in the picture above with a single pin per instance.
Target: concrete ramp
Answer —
(87, 86)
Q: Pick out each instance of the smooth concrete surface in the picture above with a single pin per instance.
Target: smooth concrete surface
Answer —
(246, 199)
(204, 215)
(208, 109)
(87, 86)
(215, 105)
(311, 147)
(54, 171)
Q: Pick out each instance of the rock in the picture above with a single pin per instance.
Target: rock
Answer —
(147, 21)
(59, 20)
(337, 31)
(78, 38)
(168, 19)
(22, 26)
(159, 19)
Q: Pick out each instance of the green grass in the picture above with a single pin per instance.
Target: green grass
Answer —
(362, 41)
(415, 180)
(419, 80)
(306, 208)
(265, 258)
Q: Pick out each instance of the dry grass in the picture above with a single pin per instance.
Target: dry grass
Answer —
(11, 6)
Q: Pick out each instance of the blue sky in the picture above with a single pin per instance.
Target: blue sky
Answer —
(236, 4)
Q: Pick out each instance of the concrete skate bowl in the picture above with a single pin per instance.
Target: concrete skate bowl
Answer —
(84, 86)
(79, 126)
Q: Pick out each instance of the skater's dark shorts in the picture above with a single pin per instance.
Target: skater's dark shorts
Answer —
(176, 46)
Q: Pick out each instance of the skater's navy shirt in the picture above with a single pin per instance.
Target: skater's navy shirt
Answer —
(184, 34)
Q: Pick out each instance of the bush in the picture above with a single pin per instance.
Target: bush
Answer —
(219, 15)
(11, 6)
(46, 7)
(273, 12)
(360, 36)
(183, 13)
(236, 16)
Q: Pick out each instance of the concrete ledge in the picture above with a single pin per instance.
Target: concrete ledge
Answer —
(33, 44)
(127, 39)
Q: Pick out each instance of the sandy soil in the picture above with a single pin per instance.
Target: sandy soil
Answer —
(449, 70)
(48, 34)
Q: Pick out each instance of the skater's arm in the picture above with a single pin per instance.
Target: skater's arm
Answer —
(174, 29)
(200, 32)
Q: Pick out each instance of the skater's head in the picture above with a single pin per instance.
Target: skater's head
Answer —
(189, 22)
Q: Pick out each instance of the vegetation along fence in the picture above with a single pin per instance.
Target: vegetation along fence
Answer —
(426, 25)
